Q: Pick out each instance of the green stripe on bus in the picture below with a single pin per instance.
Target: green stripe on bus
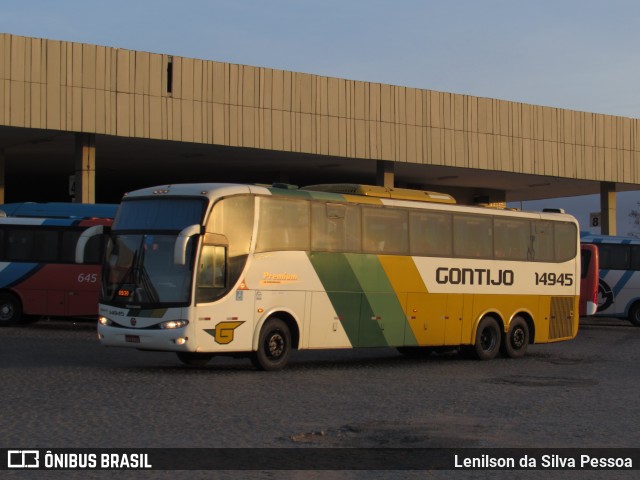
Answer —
(381, 308)
(372, 319)
(343, 289)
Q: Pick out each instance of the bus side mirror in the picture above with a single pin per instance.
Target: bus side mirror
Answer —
(180, 249)
(84, 238)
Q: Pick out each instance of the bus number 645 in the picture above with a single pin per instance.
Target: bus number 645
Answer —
(87, 278)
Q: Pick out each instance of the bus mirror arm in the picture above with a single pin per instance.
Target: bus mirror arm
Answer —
(84, 239)
(180, 249)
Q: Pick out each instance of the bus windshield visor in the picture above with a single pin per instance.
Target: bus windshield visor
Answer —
(165, 213)
(140, 270)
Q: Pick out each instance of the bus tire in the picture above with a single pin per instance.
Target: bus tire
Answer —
(10, 310)
(274, 346)
(634, 314)
(487, 344)
(516, 340)
(194, 359)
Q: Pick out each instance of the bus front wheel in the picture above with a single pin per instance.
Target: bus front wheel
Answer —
(274, 346)
(10, 310)
(516, 341)
(487, 344)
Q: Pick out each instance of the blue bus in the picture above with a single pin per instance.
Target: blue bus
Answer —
(619, 282)
(58, 210)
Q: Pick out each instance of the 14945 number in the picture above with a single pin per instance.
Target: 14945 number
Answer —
(551, 279)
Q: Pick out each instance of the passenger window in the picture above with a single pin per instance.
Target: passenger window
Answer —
(543, 242)
(430, 234)
(283, 225)
(565, 241)
(614, 257)
(635, 257)
(385, 231)
(511, 239)
(472, 236)
(335, 227)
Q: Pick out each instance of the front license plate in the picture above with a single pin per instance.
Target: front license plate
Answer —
(132, 338)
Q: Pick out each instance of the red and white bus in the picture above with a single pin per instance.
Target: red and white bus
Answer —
(38, 273)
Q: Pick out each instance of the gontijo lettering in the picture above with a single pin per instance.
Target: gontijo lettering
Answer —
(474, 276)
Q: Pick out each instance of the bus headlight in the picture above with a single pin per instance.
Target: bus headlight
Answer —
(104, 321)
(174, 324)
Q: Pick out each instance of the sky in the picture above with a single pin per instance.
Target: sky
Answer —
(576, 54)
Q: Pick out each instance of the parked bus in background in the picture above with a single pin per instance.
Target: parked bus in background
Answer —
(209, 269)
(58, 210)
(589, 276)
(38, 273)
(619, 284)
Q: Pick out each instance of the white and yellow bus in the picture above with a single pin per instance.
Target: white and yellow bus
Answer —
(226, 269)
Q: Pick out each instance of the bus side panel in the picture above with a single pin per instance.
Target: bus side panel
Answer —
(617, 291)
(325, 326)
(63, 289)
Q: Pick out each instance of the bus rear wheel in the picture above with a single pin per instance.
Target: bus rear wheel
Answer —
(274, 346)
(634, 315)
(10, 310)
(194, 359)
(487, 344)
(516, 341)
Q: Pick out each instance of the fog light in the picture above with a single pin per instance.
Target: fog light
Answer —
(104, 320)
(180, 341)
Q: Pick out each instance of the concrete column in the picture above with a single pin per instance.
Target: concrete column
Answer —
(2, 175)
(384, 173)
(85, 163)
(608, 208)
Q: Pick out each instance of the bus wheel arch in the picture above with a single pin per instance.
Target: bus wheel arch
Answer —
(11, 311)
(277, 336)
(488, 337)
(517, 338)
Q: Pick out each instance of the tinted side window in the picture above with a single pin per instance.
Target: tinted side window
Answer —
(335, 227)
(31, 245)
(431, 234)
(385, 231)
(283, 225)
(635, 257)
(614, 257)
(512, 239)
(472, 236)
(565, 241)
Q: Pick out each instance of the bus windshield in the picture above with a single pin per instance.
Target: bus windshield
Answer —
(141, 270)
